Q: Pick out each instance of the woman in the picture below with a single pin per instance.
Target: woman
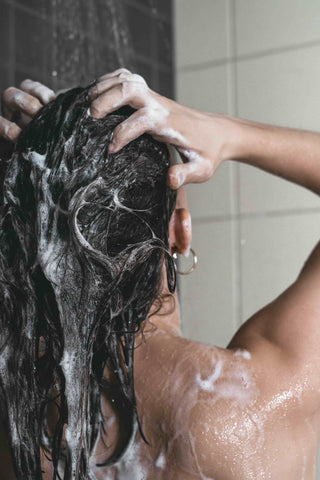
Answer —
(250, 410)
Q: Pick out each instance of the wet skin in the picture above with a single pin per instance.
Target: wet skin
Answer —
(250, 411)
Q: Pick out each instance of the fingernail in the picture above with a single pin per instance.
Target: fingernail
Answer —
(186, 252)
(112, 146)
(176, 179)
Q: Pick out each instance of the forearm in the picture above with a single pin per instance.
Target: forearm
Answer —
(288, 153)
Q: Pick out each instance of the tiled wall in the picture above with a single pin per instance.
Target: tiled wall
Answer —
(252, 231)
(26, 38)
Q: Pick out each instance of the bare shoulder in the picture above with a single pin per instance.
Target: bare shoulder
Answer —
(283, 340)
(216, 403)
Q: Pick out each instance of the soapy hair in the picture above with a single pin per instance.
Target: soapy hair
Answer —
(84, 236)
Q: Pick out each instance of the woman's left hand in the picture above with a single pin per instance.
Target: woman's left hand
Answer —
(203, 139)
(20, 105)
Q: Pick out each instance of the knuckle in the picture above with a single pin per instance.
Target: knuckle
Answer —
(138, 78)
(8, 92)
(123, 70)
(35, 105)
(12, 132)
(96, 109)
(26, 82)
(94, 91)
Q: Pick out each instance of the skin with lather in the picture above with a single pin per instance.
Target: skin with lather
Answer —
(247, 411)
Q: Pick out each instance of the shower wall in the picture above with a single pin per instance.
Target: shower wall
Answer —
(252, 231)
(27, 41)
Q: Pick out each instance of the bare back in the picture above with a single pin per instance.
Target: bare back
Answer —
(222, 414)
(250, 411)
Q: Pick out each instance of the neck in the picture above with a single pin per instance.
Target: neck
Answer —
(167, 318)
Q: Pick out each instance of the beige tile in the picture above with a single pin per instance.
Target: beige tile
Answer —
(213, 197)
(207, 294)
(200, 30)
(273, 250)
(279, 89)
(282, 88)
(268, 25)
(205, 89)
(263, 192)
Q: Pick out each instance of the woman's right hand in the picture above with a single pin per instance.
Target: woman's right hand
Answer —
(19, 106)
(204, 140)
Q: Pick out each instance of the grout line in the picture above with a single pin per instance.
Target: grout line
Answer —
(232, 176)
(12, 46)
(154, 54)
(174, 49)
(138, 6)
(249, 56)
(254, 215)
(174, 96)
(235, 181)
(150, 61)
(20, 6)
(156, 67)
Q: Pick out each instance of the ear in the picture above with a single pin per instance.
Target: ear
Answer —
(180, 231)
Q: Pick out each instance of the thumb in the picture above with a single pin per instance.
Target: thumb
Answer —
(180, 174)
(191, 172)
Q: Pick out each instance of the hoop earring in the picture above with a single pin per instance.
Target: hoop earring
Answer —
(193, 266)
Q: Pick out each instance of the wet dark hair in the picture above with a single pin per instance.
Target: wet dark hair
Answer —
(84, 235)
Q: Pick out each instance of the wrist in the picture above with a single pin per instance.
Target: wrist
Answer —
(236, 134)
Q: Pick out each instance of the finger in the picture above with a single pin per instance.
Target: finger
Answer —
(181, 174)
(133, 92)
(104, 86)
(38, 90)
(137, 124)
(23, 121)
(17, 100)
(8, 130)
(107, 102)
(112, 74)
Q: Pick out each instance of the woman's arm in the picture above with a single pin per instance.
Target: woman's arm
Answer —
(291, 321)
(20, 105)
(286, 152)
(204, 140)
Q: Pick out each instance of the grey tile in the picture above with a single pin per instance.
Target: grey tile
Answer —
(205, 89)
(166, 84)
(208, 293)
(263, 192)
(140, 27)
(4, 31)
(39, 7)
(21, 74)
(201, 32)
(145, 70)
(164, 43)
(273, 251)
(214, 197)
(164, 7)
(281, 88)
(265, 25)
(30, 39)
(4, 78)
